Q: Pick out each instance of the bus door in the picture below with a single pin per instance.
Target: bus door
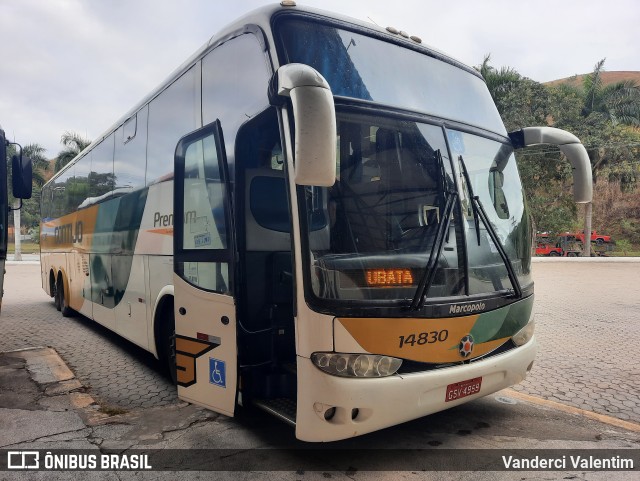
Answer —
(205, 312)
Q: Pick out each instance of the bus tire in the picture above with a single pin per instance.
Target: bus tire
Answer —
(62, 305)
(56, 296)
(167, 340)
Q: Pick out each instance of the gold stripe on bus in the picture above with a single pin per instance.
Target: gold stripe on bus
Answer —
(192, 347)
(167, 231)
(188, 350)
(422, 340)
(70, 231)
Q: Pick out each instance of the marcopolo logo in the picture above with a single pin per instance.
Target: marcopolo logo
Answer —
(467, 308)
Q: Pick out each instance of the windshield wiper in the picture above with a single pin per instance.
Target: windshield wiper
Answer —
(480, 214)
(430, 271)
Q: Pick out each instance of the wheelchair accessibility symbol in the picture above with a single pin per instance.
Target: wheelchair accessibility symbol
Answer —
(217, 374)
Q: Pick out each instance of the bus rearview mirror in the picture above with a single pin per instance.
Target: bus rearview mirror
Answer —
(315, 123)
(21, 176)
(570, 146)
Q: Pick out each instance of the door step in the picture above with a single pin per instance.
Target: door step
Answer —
(282, 408)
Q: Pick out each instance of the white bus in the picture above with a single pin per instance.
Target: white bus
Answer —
(313, 215)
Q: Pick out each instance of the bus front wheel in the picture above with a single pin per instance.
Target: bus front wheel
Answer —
(167, 344)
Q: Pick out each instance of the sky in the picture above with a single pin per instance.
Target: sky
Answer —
(79, 65)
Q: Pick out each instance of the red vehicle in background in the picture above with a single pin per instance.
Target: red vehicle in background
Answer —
(599, 239)
(545, 249)
(571, 244)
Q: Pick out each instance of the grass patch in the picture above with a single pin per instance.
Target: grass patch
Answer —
(621, 254)
(25, 248)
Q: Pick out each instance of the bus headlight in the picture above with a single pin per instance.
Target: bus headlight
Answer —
(356, 365)
(525, 334)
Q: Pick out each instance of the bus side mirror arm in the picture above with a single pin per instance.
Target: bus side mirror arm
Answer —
(315, 122)
(570, 146)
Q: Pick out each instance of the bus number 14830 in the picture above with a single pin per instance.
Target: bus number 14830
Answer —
(424, 338)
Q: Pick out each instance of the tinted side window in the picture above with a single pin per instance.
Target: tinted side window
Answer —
(201, 211)
(60, 193)
(101, 179)
(79, 190)
(235, 77)
(45, 203)
(129, 160)
(171, 115)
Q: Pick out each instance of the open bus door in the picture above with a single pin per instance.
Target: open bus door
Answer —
(204, 308)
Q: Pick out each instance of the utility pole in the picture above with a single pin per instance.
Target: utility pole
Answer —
(588, 209)
(17, 256)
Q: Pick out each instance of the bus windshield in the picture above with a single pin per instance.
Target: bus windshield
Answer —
(367, 68)
(384, 211)
(386, 238)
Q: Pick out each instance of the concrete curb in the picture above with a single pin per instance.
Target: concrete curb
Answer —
(619, 423)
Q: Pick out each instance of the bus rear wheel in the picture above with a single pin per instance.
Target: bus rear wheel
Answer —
(56, 297)
(52, 290)
(61, 303)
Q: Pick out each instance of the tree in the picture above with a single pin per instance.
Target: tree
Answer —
(521, 101)
(40, 163)
(616, 103)
(609, 108)
(73, 144)
(546, 177)
(605, 118)
(29, 215)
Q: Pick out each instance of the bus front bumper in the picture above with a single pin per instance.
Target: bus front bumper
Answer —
(331, 408)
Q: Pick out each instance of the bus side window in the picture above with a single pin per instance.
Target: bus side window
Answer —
(101, 179)
(205, 222)
(129, 161)
(171, 115)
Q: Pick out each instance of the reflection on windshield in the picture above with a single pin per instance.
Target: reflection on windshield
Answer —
(367, 68)
(384, 212)
(494, 179)
(381, 232)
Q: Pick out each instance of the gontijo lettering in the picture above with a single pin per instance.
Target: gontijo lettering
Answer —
(69, 233)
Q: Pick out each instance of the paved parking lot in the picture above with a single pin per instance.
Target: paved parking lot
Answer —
(588, 321)
(588, 326)
(119, 374)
